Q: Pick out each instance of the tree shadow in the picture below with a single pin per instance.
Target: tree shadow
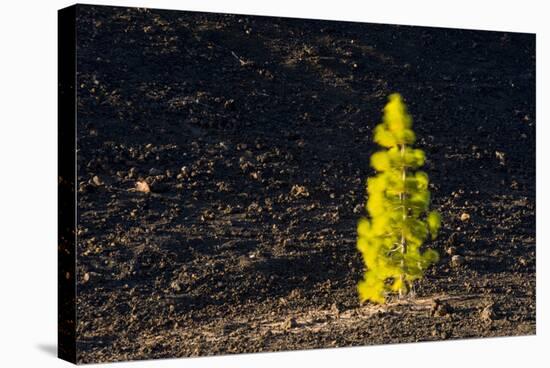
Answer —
(269, 278)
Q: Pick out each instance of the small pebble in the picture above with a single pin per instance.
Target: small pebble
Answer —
(289, 323)
(185, 173)
(488, 313)
(440, 309)
(299, 191)
(142, 186)
(457, 261)
(97, 181)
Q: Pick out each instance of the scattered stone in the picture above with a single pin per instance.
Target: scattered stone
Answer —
(298, 191)
(185, 172)
(85, 188)
(175, 286)
(295, 294)
(457, 261)
(244, 164)
(311, 207)
(263, 158)
(86, 277)
(451, 251)
(501, 157)
(254, 208)
(222, 186)
(440, 309)
(464, 217)
(97, 181)
(245, 262)
(488, 313)
(229, 104)
(289, 323)
(207, 215)
(142, 186)
(358, 209)
(132, 173)
(155, 171)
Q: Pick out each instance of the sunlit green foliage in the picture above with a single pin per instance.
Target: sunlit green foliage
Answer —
(399, 222)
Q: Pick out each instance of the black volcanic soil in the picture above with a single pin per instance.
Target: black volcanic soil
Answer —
(254, 136)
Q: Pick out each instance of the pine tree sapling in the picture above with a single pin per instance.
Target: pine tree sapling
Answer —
(399, 222)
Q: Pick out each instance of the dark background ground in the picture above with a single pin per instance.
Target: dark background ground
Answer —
(225, 256)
